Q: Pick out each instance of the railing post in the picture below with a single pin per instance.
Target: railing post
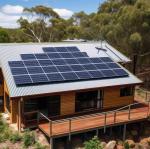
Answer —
(69, 129)
(38, 118)
(105, 122)
(50, 128)
(129, 115)
(115, 113)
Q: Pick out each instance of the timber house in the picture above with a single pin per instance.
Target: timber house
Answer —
(67, 88)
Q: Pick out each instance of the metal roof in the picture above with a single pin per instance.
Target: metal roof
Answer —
(11, 52)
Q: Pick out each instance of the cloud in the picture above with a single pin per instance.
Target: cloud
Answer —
(64, 13)
(12, 9)
(9, 14)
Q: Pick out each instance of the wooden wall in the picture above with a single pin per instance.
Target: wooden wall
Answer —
(112, 98)
(1, 85)
(67, 103)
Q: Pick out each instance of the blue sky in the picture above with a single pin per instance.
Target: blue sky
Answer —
(74, 5)
(12, 10)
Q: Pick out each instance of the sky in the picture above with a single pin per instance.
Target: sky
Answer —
(11, 10)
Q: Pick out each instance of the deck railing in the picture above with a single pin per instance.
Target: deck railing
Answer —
(70, 121)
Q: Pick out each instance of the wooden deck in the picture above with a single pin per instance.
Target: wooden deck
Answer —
(94, 121)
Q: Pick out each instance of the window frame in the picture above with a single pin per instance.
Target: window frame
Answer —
(126, 91)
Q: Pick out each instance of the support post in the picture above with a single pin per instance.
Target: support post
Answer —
(115, 116)
(69, 129)
(51, 143)
(105, 122)
(50, 128)
(129, 115)
(97, 133)
(124, 132)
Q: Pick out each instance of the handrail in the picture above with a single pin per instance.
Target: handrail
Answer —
(40, 113)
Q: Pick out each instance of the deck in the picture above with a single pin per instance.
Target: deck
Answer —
(127, 114)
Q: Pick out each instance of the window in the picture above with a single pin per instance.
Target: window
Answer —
(86, 100)
(126, 91)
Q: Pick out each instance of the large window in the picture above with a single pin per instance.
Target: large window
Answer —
(86, 100)
(126, 91)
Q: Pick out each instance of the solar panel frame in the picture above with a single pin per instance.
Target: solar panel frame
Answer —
(73, 49)
(66, 55)
(40, 78)
(83, 75)
(77, 67)
(101, 66)
(63, 68)
(54, 55)
(16, 63)
(89, 67)
(69, 76)
(22, 80)
(61, 49)
(106, 59)
(45, 62)
(31, 63)
(35, 70)
(108, 73)
(83, 60)
(55, 77)
(28, 56)
(113, 65)
(50, 69)
(58, 61)
(19, 71)
(96, 74)
(71, 61)
(49, 49)
(41, 56)
(120, 72)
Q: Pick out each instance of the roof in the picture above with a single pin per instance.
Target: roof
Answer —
(11, 52)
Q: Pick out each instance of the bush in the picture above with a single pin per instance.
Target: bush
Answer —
(28, 139)
(15, 138)
(93, 144)
(126, 145)
(39, 146)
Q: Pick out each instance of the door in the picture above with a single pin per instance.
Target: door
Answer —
(100, 99)
(54, 106)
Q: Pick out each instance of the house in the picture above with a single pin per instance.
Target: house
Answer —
(63, 87)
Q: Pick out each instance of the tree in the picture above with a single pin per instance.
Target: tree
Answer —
(93, 144)
(4, 37)
(38, 22)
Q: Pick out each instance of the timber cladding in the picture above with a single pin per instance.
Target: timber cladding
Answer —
(112, 98)
(67, 103)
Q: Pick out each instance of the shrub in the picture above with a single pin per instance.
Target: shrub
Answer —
(126, 145)
(39, 146)
(93, 144)
(15, 138)
(28, 139)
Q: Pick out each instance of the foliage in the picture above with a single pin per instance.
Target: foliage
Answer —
(15, 137)
(39, 146)
(28, 139)
(4, 37)
(94, 143)
(126, 145)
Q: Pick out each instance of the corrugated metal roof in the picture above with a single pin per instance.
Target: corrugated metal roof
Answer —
(12, 52)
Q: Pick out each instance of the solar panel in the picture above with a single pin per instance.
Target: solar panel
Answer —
(83, 60)
(77, 67)
(45, 62)
(61, 49)
(41, 56)
(16, 64)
(101, 66)
(27, 56)
(69, 76)
(55, 77)
(73, 49)
(40, 78)
(58, 61)
(90, 67)
(113, 65)
(66, 55)
(83, 75)
(96, 74)
(31, 63)
(120, 72)
(106, 59)
(19, 71)
(71, 61)
(22, 80)
(50, 69)
(108, 73)
(49, 49)
(53, 55)
(79, 54)
(95, 60)
(64, 68)
(34, 70)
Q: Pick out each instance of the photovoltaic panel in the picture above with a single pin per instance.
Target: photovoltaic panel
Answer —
(55, 77)
(79, 54)
(31, 63)
(83, 60)
(66, 55)
(41, 56)
(19, 71)
(49, 49)
(101, 66)
(64, 68)
(106, 59)
(45, 62)
(77, 67)
(96, 74)
(113, 65)
(69, 76)
(58, 62)
(53, 55)
(34, 70)
(90, 67)
(16, 64)
(83, 75)
(73, 49)
(95, 60)
(22, 80)
(120, 72)
(50, 69)
(40, 78)
(108, 73)
(61, 49)
(27, 56)
(71, 61)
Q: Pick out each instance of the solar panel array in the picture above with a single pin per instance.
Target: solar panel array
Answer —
(62, 64)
